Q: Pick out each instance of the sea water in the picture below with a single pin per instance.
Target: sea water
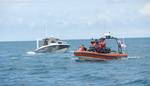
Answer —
(19, 66)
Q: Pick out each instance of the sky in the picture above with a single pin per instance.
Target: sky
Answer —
(22, 20)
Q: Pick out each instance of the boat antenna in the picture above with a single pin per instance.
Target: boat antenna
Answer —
(37, 43)
(46, 30)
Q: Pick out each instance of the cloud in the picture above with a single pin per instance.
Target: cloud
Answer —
(146, 9)
(118, 1)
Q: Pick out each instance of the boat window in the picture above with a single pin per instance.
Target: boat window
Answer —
(45, 42)
(53, 42)
(112, 44)
(59, 42)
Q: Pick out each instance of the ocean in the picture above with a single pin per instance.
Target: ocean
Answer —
(18, 67)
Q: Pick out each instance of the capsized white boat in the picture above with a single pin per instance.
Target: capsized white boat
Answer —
(51, 44)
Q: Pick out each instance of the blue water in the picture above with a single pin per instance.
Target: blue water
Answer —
(19, 68)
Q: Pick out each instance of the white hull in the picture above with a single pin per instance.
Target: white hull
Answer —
(61, 50)
(49, 45)
(52, 49)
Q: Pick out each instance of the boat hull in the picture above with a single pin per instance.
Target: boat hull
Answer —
(52, 48)
(86, 55)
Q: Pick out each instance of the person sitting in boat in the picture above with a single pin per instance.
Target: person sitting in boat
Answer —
(101, 46)
(93, 46)
(82, 48)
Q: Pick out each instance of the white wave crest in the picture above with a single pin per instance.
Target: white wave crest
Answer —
(134, 57)
(31, 53)
(71, 51)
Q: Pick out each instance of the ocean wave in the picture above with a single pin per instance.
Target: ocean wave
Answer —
(134, 57)
(70, 51)
(136, 82)
(31, 53)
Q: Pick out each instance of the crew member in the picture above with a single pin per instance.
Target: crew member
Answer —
(101, 46)
(82, 48)
(93, 46)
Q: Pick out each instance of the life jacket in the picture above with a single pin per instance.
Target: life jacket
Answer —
(102, 44)
(94, 44)
(82, 49)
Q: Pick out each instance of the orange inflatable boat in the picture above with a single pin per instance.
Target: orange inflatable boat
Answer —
(112, 48)
(86, 55)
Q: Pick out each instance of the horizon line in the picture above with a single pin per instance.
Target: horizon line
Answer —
(67, 39)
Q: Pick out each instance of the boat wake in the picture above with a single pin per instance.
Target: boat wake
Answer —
(70, 51)
(31, 53)
(134, 57)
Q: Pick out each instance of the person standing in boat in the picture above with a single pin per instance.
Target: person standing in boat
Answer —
(46, 41)
(121, 46)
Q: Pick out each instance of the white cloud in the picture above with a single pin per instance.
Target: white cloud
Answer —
(104, 17)
(118, 1)
(146, 9)
(20, 20)
(32, 24)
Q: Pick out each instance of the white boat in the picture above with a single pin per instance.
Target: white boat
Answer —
(51, 44)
